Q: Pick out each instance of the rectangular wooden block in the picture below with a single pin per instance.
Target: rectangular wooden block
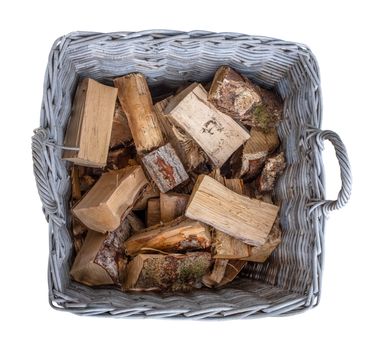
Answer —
(136, 101)
(111, 199)
(249, 220)
(89, 127)
(215, 132)
(172, 205)
(179, 235)
(175, 272)
(165, 168)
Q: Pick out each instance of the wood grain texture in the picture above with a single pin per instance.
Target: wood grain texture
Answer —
(136, 101)
(120, 131)
(97, 261)
(215, 132)
(165, 168)
(187, 149)
(90, 124)
(153, 212)
(172, 205)
(179, 235)
(232, 93)
(111, 199)
(150, 191)
(174, 272)
(246, 219)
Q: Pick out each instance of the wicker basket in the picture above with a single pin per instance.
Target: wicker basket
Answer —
(290, 281)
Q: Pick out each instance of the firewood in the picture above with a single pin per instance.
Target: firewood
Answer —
(273, 168)
(120, 132)
(179, 235)
(187, 149)
(149, 192)
(165, 168)
(232, 93)
(175, 272)
(233, 268)
(215, 132)
(214, 277)
(247, 219)
(97, 261)
(153, 212)
(136, 101)
(172, 205)
(89, 127)
(111, 199)
(258, 147)
(135, 223)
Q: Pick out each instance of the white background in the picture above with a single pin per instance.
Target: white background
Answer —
(342, 38)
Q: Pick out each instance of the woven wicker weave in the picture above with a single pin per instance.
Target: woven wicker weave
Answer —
(290, 281)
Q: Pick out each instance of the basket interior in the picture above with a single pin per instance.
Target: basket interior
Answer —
(288, 277)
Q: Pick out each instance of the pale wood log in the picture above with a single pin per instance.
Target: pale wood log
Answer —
(136, 101)
(214, 277)
(215, 132)
(153, 212)
(248, 220)
(187, 149)
(111, 199)
(165, 168)
(172, 205)
(174, 272)
(89, 127)
(232, 93)
(97, 261)
(179, 235)
(120, 132)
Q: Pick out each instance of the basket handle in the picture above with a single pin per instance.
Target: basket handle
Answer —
(345, 169)
(41, 172)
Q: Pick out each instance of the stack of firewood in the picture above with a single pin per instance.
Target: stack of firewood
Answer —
(173, 195)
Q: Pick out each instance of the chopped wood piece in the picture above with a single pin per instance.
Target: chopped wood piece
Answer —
(175, 272)
(149, 192)
(215, 132)
(165, 168)
(153, 212)
(214, 277)
(179, 235)
(120, 133)
(172, 205)
(111, 199)
(135, 223)
(75, 185)
(89, 127)
(187, 149)
(97, 261)
(260, 254)
(136, 101)
(247, 219)
(233, 268)
(273, 168)
(232, 93)
(255, 152)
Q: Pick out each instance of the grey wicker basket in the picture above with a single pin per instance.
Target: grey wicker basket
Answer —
(290, 281)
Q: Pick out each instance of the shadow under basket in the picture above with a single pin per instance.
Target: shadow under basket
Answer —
(290, 280)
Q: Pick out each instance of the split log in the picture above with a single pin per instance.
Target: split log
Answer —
(258, 147)
(149, 192)
(136, 101)
(233, 268)
(111, 199)
(232, 93)
(247, 219)
(187, 149)
(214, 277)
(175, 272)
(153, 212)
(165, 168)
(120, 132)
(172, 205)
(89, 127)
(97, 261)
(215, 132)
(179, 235)
(273, 168)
